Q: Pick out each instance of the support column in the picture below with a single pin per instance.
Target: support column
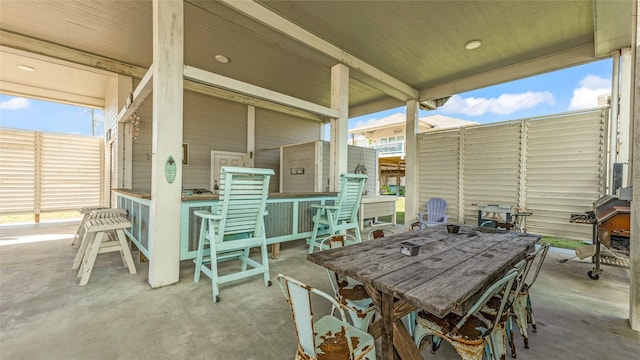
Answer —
(339, 127)
(166, 170)
(411, 163)
(625, 115)
(251, 135)
(634, 271)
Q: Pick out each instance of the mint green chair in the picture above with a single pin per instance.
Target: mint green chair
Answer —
(329, 337)
(343, 214)
(234, 226)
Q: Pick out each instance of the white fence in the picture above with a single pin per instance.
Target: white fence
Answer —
(552, 166)
(43, 172)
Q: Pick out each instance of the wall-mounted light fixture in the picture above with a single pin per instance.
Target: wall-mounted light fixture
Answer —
(473, 44)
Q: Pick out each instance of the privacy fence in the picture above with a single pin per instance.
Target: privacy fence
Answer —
(44, 172)
(552, 166)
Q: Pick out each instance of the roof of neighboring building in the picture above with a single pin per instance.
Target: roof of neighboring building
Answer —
(427, 122)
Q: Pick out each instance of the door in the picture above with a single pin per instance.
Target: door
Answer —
(224, 158)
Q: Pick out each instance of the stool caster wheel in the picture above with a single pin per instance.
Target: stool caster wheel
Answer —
(269, 283)
(593, 276)
(217, 298)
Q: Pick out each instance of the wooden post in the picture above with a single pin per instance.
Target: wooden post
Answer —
(339, 126)
(411, 164)
(166, 168)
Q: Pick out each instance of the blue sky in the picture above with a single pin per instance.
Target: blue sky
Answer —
(560, 91)
(565, 90)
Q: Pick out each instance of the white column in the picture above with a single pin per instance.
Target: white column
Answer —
(251, 135)
(124, 169)
(164, 220)
(411, 163)
(625, 114)
(339, 127)
(634, 271)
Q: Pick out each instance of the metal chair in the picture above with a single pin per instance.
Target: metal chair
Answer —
(341, 216)
(235, 226)
(328, 338)
(468, 334)
(522, 310)
(436, 212)
(375, 234)
(349, 292)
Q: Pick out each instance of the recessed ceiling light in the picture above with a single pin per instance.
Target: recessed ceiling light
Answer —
(473, 44)
(26, 68)
(221, 59)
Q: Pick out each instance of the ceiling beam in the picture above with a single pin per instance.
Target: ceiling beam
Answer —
(560, 60)
(53, 51)
(139, 95)
(381, 80)
(14, 89)
(206, 77)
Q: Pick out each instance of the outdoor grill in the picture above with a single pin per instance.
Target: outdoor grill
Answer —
(611, 221)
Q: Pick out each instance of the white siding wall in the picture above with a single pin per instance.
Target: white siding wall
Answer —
(552, 166)
(44, 172)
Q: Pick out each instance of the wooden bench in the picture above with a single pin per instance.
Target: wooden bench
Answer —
(93, 244)
(94, 213)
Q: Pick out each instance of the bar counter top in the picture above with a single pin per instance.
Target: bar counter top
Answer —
(142, 194)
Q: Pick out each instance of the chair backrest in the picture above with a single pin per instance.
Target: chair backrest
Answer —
(375, 234)
(436, 209)
(298, 296)
(349, 196)
(540, 254)
(504, 284)
(333, 242)
(243, 199)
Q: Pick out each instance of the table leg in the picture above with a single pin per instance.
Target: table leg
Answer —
(387, 326)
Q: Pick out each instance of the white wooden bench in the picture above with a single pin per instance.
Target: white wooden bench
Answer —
(93, 244)
(94, 213)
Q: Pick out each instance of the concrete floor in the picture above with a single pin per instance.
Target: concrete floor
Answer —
(46, 315)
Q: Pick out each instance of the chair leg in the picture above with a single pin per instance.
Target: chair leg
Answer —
(419, 332)
(530, 318)
(200, 254)
(361, 323)
(520, 312)
(84, 242)
(512, 344)
(90, 259)
(126, 254)
(498, 341)
(214, 278)
(314, 234)
(245, 255)
(357, 233)
(265, 261)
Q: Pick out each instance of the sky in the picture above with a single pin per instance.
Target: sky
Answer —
(557, 92)
(552, 93)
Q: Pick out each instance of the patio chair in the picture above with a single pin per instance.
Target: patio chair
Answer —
(436, 212)
(234, 227)
(349, 292)
(328, 338)
(468, 334)
(342, 215)
(522, 310)
(377, 233)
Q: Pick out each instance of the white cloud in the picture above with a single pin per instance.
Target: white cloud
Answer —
(15, 103)
(503, 105)
(586, 96)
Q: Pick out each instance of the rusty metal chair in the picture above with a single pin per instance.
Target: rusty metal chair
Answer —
(349, 292)
(522, 310)
(375, 234)
(328, 338)
(468, 334)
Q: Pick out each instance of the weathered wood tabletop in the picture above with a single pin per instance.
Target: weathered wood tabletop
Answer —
(447, 275)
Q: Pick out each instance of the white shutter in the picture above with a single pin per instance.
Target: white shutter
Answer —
(438, 164)
(71, 171)
(17, 171)
(491, 162)
(564, 171)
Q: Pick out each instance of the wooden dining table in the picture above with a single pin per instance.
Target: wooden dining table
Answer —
(447, 275)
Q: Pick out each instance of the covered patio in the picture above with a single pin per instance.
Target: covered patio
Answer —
(247, 77)
(46, 315)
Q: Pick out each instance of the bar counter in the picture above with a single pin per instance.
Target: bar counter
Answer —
(289, 217)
